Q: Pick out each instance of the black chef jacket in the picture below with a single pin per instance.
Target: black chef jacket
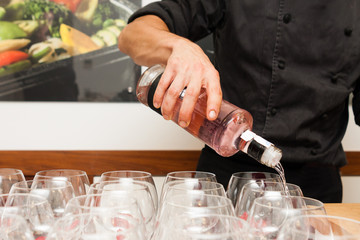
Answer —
(291, 64)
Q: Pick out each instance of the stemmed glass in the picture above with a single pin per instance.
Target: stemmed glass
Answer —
(269, 213)
(77, 178)
(191, 204)
(36, 210)
(239, 179)
(129, 175)
(104, 226)
(187, 176)
(183, 187)
(57, 192)
(9, 176)
(94, 203)
(206, 227)
(14, 227)
(320, 227)
(138, 190)
(253, 190)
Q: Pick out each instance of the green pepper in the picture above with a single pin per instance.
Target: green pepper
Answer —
(15, 67)
(40, 54)
(9, 30)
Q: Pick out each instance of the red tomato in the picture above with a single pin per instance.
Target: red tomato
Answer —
(70, 4)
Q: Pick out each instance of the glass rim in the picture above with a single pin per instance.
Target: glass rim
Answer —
(79, 173)
(271, 183)
(142, 186)
(171, 174)
(15, 171)
(16, 185)
(235, 175)
(174, 185)
(145, 174)
(321, 204)
(35, 196)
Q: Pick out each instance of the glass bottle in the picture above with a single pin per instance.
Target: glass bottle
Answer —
(229, 133)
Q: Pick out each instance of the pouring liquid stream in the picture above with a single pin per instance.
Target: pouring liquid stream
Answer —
(279, 168)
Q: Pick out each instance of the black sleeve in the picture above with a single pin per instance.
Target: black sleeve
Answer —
(193, 19)
(356, 102)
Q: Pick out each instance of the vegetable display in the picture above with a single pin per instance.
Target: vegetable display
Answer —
(34, 32)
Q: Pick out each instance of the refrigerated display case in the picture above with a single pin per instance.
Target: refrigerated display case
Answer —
(71, 49)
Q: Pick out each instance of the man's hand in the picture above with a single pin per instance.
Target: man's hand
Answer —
(147, 41)
(188, 66)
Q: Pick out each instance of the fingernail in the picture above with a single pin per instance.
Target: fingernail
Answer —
(166, 117)
(212, 114)
(156, 105)
(183, 124)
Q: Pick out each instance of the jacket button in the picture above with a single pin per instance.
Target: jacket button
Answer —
(281, 64)
(273, 111)
(287, 18)
(348, 32)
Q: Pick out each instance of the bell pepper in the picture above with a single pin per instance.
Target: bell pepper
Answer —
(12, 56)
(79, 41)
(15, 67)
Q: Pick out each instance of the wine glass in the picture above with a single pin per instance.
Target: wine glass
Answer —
(239, 179)
(129, 175)
(14, 227)
(57, 192)
(191, 204)
(77, 178)
(9, 176)
(320, 227)
(253, 190)
(188, 176)
(122, 205)
(36, 210)
(205, 227)
(183, 187)
(135, 189)
(269, 213)
(104, 226)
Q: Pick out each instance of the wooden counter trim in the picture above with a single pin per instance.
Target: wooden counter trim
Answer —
(95, 162)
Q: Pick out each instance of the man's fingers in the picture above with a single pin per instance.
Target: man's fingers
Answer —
(163, 85)
(171, 96)
(189, 101)
(214, 95)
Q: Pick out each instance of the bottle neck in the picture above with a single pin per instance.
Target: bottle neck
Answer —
(260, 149)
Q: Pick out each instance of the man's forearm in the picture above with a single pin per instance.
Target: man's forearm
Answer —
(147, 41)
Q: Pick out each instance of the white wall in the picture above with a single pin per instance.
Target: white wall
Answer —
(88, 126)
(101, 126)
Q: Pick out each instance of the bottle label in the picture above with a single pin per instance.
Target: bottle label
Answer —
(262, 141)
(248, 135)
(256, 150)
(151, 93)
